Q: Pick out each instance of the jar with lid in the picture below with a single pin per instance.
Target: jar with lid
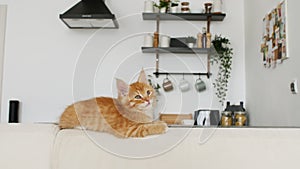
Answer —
(240, 118)
(185, 7)
(155, 39)
(226, 119)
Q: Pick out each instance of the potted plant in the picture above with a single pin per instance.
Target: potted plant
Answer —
(224, 58)
(155, 86)
(163, 5)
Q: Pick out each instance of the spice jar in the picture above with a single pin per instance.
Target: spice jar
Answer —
(240, 118)
(185, 10)
(208, 7)
(185, 7)
(208, 40)
(199, 40)
(226, 119)
(156, 39)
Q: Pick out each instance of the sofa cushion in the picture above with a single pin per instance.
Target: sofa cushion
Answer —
(180, 148)
(26, 146)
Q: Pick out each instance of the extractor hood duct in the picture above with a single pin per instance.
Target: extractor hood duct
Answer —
(89, 14)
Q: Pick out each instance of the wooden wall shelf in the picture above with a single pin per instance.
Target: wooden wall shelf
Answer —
(208, 17)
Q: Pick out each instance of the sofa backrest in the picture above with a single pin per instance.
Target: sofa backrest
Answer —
(196, 148)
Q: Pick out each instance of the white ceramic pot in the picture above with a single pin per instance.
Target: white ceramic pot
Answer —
(217, 6)
(174, 9)
(148, 6)
(164, 41)
(148, 40)
(163, 10)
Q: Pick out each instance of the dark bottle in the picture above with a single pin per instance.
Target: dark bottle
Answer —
(13, 111)
(204, 37)
(242, 106)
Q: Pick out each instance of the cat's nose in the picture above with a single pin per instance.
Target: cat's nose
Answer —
(148, 101)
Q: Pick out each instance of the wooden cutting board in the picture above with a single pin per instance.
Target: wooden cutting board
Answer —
(175, 118)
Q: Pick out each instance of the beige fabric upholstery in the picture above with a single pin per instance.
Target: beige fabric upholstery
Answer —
(43, 146)
(232, 148)
(26, 146)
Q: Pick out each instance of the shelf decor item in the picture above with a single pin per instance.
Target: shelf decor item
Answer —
(185, 7)
(163, 5)
(179, 48)
(224, 59)
(148, 6)
(208, 7)
(217, 6)
(174, 6)
(155, 85)
(190, 41)
(148, 40)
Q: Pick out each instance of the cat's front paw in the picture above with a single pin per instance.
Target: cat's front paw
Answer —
(166, 127)
(163, 126)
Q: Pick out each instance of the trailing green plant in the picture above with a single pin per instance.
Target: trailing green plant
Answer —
(162, 4)
(224, 58)
(155, 86)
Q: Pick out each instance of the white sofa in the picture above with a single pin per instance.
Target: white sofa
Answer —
(43, 146)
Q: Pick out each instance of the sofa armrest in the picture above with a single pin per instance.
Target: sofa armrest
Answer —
(26, 146)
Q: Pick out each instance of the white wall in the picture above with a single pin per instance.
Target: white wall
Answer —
(269, 99)
(2, 40)
(42, 56)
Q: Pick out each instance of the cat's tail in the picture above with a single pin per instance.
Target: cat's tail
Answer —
(69, 118)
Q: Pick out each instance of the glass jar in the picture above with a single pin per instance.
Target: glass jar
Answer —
(185, 7)
(185, 10)
(226, 119)
(240, 118)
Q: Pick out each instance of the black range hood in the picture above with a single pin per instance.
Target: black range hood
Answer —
(89, 14)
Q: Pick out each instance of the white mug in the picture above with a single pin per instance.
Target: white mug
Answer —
(184, 85)
(200, 85)
(164, 41)
(167, 85)
(148, 40)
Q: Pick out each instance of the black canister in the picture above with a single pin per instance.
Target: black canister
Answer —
(13, 111)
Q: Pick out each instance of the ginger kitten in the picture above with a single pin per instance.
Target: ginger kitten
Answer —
(129, 115)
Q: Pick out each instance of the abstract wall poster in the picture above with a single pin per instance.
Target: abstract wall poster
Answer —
(274, 36)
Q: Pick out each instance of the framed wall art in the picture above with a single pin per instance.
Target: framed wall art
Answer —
(274, 37)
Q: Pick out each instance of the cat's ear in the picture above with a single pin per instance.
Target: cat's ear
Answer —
(123, 88)
(142, 78)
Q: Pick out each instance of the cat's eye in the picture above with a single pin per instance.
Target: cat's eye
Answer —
(148, 92)
(138, 97)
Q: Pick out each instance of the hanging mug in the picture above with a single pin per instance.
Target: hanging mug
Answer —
(200, 85)
(167, 85)
(184, 85)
